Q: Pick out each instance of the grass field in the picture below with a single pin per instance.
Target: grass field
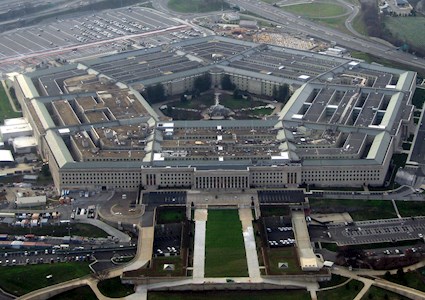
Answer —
(335, 280)
(224, 246)
(6, 110)
(316, 10)
(232, 103)
(200, 102)
(170, 215)
(230, 295)
(189, 6)
(157, 267)
(411, 208)
(79, 293)
(19, 280)
(378, 293)
(359, 210)
(79, 229)
(337, 23)
(409, 29)
(345, 292)
(113, 288)
(359, 25)
(412, 279)
(261, 112)
(288, 255)
(268, 211)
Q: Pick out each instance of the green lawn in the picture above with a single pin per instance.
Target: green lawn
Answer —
(346, 292)
(335, 280)
(359, 210)
(200, 102)
(19, 280)
(412, 279)
(407, 28)
(411, 208)
(113, 288)
(337, 23)
(79, 229)
(230, 295)
(315, 9)
(286, 254)
(261, 112)
(157, 267)
(224, 246)
(84, 292)
(6, 110)
(233, 103)
(198, 6)
(268, 211)
(359, 25)
(378, 293)
(170, 215)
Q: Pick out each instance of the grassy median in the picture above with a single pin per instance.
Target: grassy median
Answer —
(224, 246)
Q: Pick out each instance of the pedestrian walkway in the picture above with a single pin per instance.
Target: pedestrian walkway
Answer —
(201, 216)
(245, 215)
(396, 209)
(364, 290)
(144, 248)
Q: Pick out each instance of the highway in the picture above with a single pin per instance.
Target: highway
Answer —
(297, 24)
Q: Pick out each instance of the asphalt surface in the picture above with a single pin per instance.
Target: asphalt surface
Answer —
(378, 231)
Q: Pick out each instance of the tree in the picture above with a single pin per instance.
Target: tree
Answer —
(283, 93)
(226, 83)
(12, 92)
(45, 171)
(156, 93)
(237, 94)
(202, 83)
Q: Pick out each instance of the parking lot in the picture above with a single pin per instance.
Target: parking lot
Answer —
(279, 231)
(167, 239)
(102, 256)
(89, 35)
(164, 198)
(281, 196)
(368, 232)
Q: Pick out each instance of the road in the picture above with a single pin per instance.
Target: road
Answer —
(296, 24)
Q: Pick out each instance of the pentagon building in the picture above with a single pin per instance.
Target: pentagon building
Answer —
(340, 127)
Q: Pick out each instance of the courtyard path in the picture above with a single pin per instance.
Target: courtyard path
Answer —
(201, 216)
(245, 215)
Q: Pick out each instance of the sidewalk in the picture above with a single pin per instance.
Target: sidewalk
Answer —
(201, 216)
(245, 216)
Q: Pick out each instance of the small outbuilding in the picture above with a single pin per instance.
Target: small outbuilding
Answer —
(6, 158)
(30, 201)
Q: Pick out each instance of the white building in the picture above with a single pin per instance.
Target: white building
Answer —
(14, 130)
(24, 144)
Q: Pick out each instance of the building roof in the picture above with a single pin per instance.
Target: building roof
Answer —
(343, 112)
(6, 156)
